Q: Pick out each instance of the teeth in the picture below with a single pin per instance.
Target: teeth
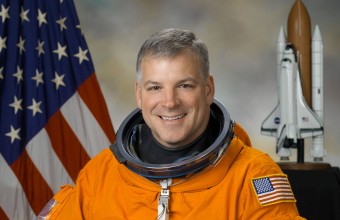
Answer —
(172, 118)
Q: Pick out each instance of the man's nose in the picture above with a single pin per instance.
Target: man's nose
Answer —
(170, 98)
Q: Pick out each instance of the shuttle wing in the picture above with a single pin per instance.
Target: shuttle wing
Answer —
(307, 121)
(271, 123)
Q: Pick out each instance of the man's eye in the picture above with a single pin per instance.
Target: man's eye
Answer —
(186, 86)
(152, 88)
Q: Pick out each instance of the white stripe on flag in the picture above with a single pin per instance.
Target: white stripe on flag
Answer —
(84, 125)
(282, 194)
(47, 162)
(12, 194)
(280, 198)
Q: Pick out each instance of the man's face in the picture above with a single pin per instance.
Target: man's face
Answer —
(174, 99)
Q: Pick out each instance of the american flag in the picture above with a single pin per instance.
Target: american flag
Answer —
(273, 189)
(53, 117)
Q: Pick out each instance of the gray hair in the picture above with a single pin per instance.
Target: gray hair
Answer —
(173, 42)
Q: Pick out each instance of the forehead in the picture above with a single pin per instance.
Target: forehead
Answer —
(186, 58)
(151, 55)
(182, 64)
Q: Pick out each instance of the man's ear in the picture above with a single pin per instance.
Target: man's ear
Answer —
(210, 89)
(138, 94)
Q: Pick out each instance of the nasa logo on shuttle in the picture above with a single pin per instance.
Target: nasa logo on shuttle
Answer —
(277, 120)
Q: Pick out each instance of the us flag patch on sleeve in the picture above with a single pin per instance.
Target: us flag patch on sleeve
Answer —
(272, 189)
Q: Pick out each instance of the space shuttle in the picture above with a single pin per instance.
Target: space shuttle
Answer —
(299, 112)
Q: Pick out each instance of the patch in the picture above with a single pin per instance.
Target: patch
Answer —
(272, 189)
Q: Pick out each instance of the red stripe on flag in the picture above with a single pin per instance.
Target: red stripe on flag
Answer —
(37, 191)
(66, 145)
(3, 215)
(92, 96)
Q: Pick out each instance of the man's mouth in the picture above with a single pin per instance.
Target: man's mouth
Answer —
(168, 118)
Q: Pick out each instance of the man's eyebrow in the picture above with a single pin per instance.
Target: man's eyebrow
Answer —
(189, 79)
(149, 82)
(185, 80)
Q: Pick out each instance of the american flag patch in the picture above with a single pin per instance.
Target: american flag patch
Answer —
(273, 189)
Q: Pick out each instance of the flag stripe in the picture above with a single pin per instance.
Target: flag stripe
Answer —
(13, 198)
(277, 190)
(88, 132)
(98, 108)
(280, 198)
(47, 162)
(66, 145)
(32, 182)
(275, 195)
(49, 129)
(3, 215)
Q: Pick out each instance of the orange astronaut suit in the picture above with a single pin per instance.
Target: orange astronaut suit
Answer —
(106, 189)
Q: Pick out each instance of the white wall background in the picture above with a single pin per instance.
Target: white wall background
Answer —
(241, 37)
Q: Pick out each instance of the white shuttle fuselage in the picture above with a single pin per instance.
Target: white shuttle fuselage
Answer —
(299, 112)
(292, 119)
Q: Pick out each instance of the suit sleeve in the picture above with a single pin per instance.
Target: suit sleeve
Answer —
(267, 192)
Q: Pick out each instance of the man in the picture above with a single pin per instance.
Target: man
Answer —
(178, 156)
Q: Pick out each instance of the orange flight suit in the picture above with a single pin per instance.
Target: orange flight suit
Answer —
(106, 189)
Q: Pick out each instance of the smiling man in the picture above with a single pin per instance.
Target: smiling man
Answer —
(175, 98)
(178, 155)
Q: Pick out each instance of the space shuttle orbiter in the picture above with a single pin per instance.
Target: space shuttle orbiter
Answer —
(299, 112)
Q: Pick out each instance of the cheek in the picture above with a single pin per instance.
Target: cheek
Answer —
(198, 100)
(147, 103)
(149, 99)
